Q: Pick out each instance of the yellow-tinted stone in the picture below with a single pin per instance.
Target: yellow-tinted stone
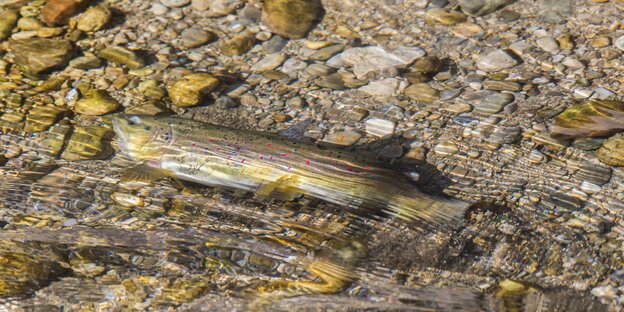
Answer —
(444, 17)
(612, 151)
(122, 56)
(40, 118)
(95, 103)
(592, 118)
(422, 92)
(94, 18)
(92, 142)
(238, 45)
(191, 89)
(290, 18)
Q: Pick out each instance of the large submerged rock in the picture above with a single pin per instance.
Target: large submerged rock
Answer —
(37, 55)
(483, 7)
(593, 118)
(290, 18)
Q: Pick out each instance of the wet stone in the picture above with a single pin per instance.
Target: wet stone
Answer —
(379, 127)
(225, 102)
(269, 62)
(57, 12)
(588, 144)
(40, 118)
(489, 102)
(175, 3)
(502, 85)
(495, 61)
(345, 138)
(422, 92)
(54, 140)
(382, 87)
(238, 45)
(612, 151)
(86, 62)
(483, 7)
(592, 118)
(194, 37)
(96, 103)
(333, 81)
(149, 107)
(38, 55)
(374, 62)
(122, 56)
(92, 142)
(326, 53)
(594, 174)
(8, 21)
(191, 89)
(94, 18)
(506, 135)
(290, 18)
(444, 17)
(446, 148)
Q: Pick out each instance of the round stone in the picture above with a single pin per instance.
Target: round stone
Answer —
(95, 103)
(422, 92)
(175, 3)
(495, 61)
(194, 37)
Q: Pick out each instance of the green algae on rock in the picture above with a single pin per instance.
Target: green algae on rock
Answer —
(612, 151)
(122, 56)
(190, 90)
(593, 118)
(95, 103)
(8, 20)
(37, 55)
(290, 18)
(40, 118)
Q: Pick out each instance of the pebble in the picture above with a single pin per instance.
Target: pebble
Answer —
(96, 103)
(195, 37)
(296, 102)
(86, 62)
(483, 7)
(619, 43)
(191, 89)
(238, 45)
(290, 18)
(8, 21)
(159, 9)
(446, 148)
(269, 62)
(344, 138)
(548, 44)
(58, 12)
(379, 127)
(24, 23)
(495, 61)
(122, 56)
(49, 32)
(94, 18)
(200, 5)
(502, 85)
(175, 3)
(292, 66)
(422, 92)
(443, 17)
(225, 102)
(326, 53)
(92, 142)
(488, 102)
(382, 87)
(466, 30)
(374, 62)
(459, 108)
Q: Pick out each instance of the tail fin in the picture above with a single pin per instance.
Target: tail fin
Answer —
(428, 210)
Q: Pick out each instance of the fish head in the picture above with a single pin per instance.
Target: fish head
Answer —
(142, 137)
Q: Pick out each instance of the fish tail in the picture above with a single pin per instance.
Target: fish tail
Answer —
(428, 210)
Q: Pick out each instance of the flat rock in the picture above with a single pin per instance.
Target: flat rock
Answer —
(483, 7)
(38, 55)
(122, 56)
(593, 118)
(344, 138)
(379, 127)
(191, 89)
(94, 18)
(382, 87)
(495, 61)
(290, 18)
(195, 37)
(269, 62)
(374, 62)
(96, 103)
(422, 92)
(488, 102)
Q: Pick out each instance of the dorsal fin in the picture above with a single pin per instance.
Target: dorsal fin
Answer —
(296, 132)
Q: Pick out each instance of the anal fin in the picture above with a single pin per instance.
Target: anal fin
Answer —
(284, 188)
(144, 172)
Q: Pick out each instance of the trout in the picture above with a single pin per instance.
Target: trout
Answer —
(274, 166)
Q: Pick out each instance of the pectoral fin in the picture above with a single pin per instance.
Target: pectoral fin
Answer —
(144, 173)
(283, 188)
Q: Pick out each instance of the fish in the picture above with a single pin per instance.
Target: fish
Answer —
(275, 166)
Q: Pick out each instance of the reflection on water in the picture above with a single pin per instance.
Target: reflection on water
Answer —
(76, 237)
